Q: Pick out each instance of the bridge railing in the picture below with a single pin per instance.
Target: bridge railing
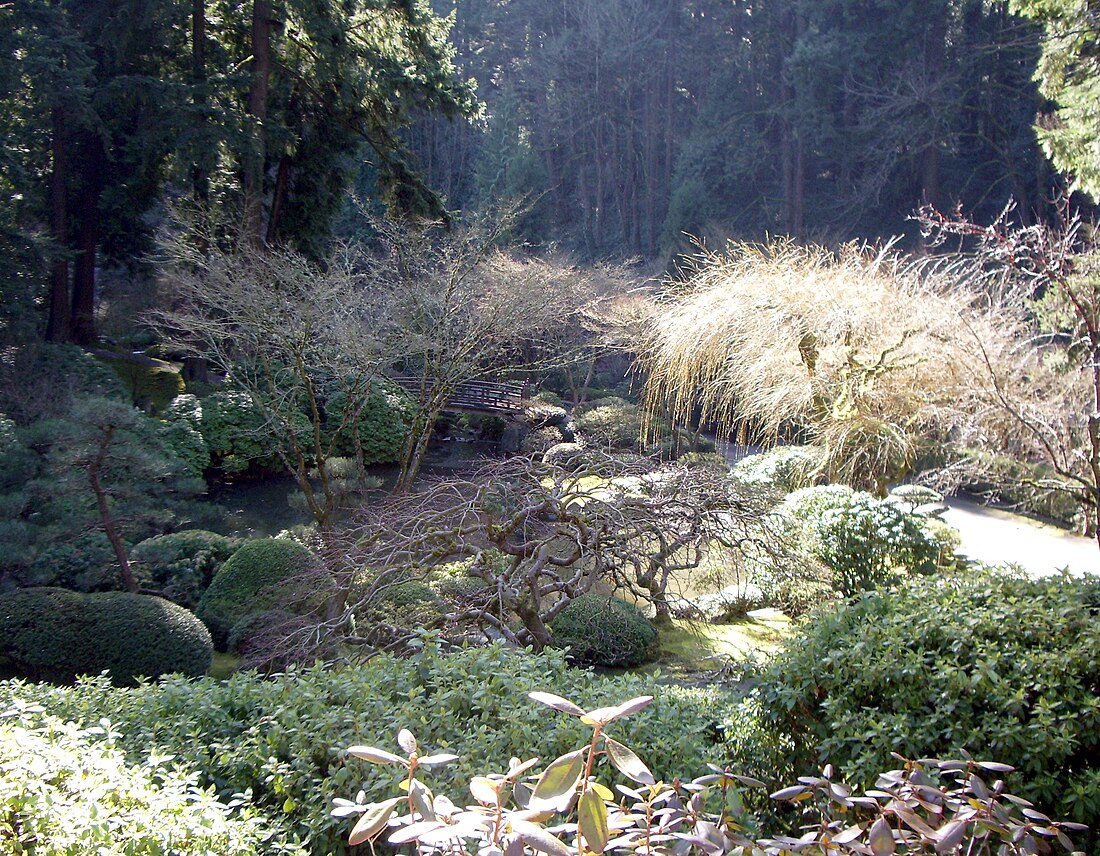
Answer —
(479, 395)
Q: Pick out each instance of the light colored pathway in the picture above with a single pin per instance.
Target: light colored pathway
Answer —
(993, 535)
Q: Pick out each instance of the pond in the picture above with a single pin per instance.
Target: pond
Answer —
(263, 507)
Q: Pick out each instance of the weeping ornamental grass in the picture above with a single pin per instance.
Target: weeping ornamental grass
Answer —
(863, 354)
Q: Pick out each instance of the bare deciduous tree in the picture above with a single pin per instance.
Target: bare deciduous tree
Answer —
(453, 307)
(1042, 381)
(539, 535)
(291, 333)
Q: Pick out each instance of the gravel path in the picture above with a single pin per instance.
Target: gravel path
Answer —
(992, 535)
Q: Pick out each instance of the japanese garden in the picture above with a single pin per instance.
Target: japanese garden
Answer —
(525, 428)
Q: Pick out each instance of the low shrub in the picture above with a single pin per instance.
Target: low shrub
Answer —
(926, 807)
(780, 470)
(547, 396)
(866, 542)
(611, 423)
(236, 433)
(601, 630)
(182, 432)
(181, 565)
(66, 791)
(541, 440)
(997, 664)
(268, 573)
(377, 431)
(51, 634)
(86, 563)
(1021, 485)
(282, 737)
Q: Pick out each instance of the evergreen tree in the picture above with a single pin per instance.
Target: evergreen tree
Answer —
(1069, 74)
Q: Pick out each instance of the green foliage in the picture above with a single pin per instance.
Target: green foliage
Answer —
(67, 791)
(236, 433)
(85, 563)
(182, 432)
(929, 806)
(612, 423)
(71, 372)
(601, 630)
(1070, 76)
(56, 635)
(781, 469)
(182, 564)
(1025, 485)
(279, 737)
(998, 664)
(268, 573)
(259, 637)
(547, 396)
(866, 542)
(377, 431)
(18, 464)
(541, 440)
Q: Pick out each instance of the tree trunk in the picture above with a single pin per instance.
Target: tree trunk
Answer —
(278, 200)
(92, 183)
(200, 177)
(105, 516)
(257, 108)
(58, 326)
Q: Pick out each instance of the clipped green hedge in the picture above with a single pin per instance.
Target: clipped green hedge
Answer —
(268, 573)
(601, 630)
(181, 564)
(284, 737)
(66, 792)
(53, 634)
(999, 664)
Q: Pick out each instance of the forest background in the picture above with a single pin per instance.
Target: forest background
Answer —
(625, 125)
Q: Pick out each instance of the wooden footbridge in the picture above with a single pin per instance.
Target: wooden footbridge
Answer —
(478, 396)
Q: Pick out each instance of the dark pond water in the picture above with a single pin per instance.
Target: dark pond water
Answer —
(263, 507)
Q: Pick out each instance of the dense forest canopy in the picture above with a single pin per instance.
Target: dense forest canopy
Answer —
(633, 122)
(624, 124)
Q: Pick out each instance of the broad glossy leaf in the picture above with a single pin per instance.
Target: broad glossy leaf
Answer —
(604, 715)
(791, 793)
(949, 837)
(373, 821)
(556, 702)
(627, 763)
(436, 760)
(484, 790)
(539, 838)
(592, 820)
(376, 756)
(413, 831)
(881, 838)
(422, 800)
(557, 783)
(848, 835)
(406, 741)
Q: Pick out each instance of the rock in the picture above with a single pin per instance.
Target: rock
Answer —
(511, 440)
(729, 604)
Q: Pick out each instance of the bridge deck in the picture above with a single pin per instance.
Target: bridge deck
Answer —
(478, 395)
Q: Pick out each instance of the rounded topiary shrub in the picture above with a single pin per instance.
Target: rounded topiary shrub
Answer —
(601, 630)
(182, 564)
(1002, 665)
(269, 573)
(52, 634)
